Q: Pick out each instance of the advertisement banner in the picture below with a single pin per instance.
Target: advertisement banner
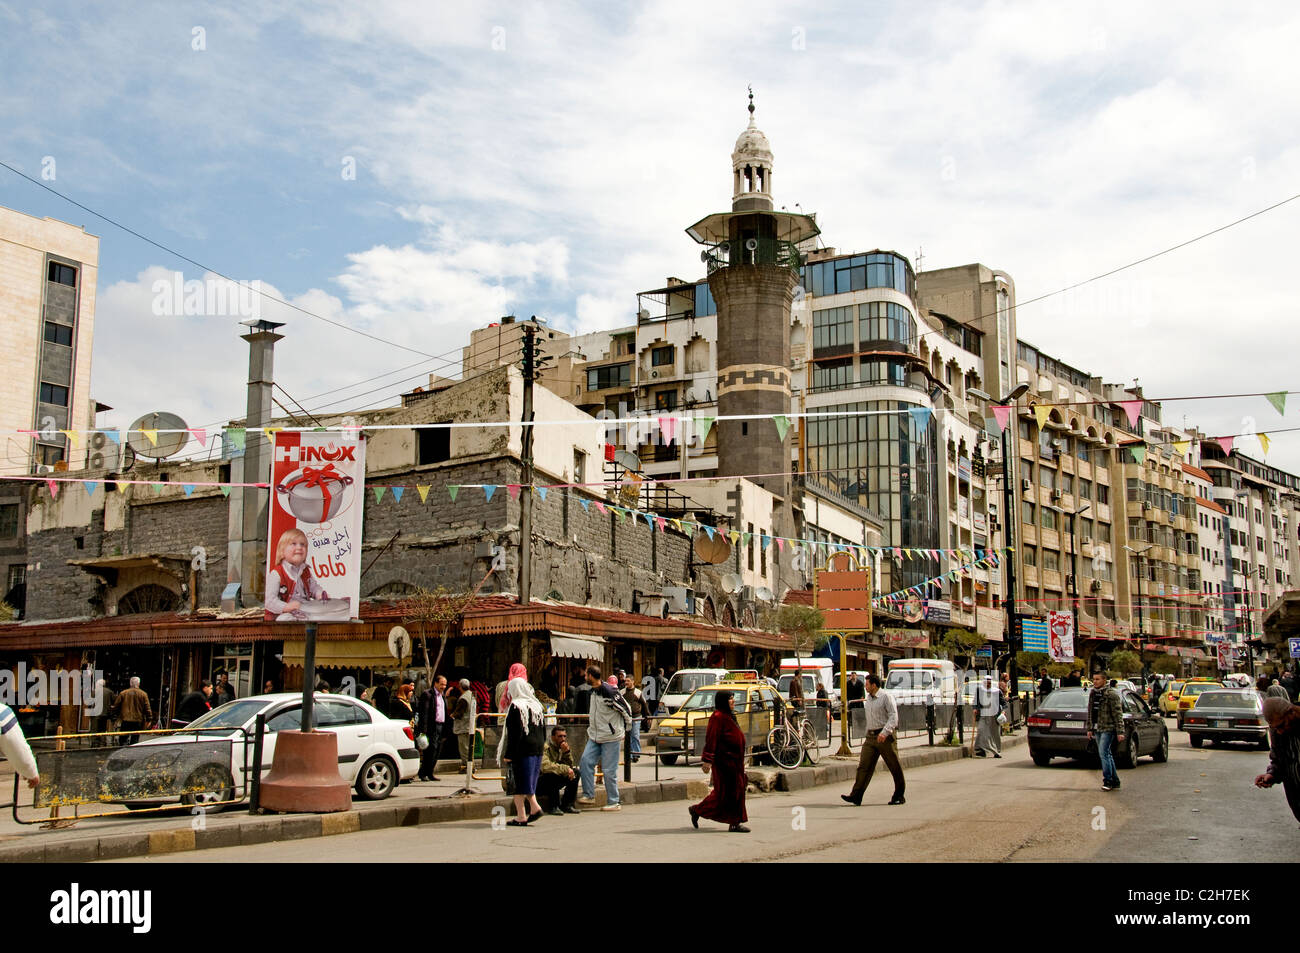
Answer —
(1033, 635)
(1060, 628)
(1224, 651)
(314, 544)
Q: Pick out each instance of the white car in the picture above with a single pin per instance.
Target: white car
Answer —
(207, 761)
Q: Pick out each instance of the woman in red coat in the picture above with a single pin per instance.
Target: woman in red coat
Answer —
(724, 754)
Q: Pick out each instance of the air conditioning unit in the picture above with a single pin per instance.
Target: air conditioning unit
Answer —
(681, 600)
(654, 375)
(1056, 496)
(653, 605)
(1096, 586)
(1087, 541)
(748, 594)
(1026, 484)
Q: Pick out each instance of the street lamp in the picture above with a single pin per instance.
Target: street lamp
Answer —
(1141, 554)
(1007, 518)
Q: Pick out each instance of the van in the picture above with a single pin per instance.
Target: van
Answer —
(922, 681)
(685, 681)
(822, 672)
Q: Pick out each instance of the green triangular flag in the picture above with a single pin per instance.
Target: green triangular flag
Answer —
(225, 491)
(1278, 401)
(1139, 452)
(452, 490)
(782, 425)
(702, 427)
(379, 493)
(237, 435)
(157, 489)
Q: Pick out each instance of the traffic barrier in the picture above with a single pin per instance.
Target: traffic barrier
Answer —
(144, 771)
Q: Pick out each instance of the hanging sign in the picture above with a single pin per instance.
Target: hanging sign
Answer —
(314, 545)
(1060, 627)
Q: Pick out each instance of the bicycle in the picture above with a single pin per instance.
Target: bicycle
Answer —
(789, 742)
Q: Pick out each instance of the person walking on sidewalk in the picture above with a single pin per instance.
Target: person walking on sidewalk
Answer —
(724, 755)
(1106, 724)
(988, 706)
(559, 778)
(881, 742)
(521, 747)
(607, 724)
(14, 746)
(133, 710)
(462, 723)
(636, 702)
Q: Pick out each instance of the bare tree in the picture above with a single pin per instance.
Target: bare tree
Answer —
(803, 625)
(435, 610)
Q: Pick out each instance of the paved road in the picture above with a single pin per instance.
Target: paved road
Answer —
(975, 810)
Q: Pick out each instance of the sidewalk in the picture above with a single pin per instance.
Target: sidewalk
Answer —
(130, 834)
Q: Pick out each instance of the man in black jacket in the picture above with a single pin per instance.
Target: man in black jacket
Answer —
(195, 703)
(430, 721)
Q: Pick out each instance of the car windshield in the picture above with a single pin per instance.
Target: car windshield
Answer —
(783, 685)
(683, 683)
(230, 715)
(1195, 688)
(704, 699)
(1067, 699)
(1228, 700)
(910, 678)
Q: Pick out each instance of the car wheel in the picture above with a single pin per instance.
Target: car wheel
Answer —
(376, 779)
(1180, 722)
(669, 759)
(209, 786)
(1129, 757)
(1196, 740)
(1161, 754)
(1042, 760)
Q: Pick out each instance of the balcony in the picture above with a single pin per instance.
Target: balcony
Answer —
(752, 251)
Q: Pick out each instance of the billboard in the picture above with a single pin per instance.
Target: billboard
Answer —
(1033, 634)
(314, 544)
(1060, 634)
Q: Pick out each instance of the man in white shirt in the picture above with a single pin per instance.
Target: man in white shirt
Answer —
(13, 745)
(881, 742)
(988, 705)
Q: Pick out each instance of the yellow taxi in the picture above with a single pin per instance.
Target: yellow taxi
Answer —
(758, 707)
(1168, 701)
(1187, 694)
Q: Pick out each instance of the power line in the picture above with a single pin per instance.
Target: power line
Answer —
(203, 267)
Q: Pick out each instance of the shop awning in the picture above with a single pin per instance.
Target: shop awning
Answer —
(342, 653)
(690, 645)
(567, 645)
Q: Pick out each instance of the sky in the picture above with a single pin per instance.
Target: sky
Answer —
(414, 171)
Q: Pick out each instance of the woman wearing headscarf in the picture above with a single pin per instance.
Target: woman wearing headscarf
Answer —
(521, 747)
(724, 754)
(1284, 757)
(517, 670)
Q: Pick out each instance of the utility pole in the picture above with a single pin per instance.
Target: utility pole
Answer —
(526, 476)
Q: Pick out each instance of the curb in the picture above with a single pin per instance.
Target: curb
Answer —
(284, 827)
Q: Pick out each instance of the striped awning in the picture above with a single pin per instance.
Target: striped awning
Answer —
(568, 645)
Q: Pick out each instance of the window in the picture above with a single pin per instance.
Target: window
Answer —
(665, 400)
(762, 556)
(1022, 427)
(611, 375)
(662, 356)
(1103, 532)
(48, 456)
(752, 541)
(8, 520)
(832, 375)
(1103, 493)
(63, 274)
(54, 394)
(1051, 560)
(433, 444)
(1085, 489)
(1049, 518)
(1081, 451)
(884, 322)
(1031, 555)
(58, 333)
(833, 330)
(579, 466)
(17, 576)
(1047, 477)
(1067, 483)
(1027, 513)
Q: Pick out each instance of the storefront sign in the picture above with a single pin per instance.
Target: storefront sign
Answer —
(905, 638)
(938, 611)
(314, 544)
(963, 469)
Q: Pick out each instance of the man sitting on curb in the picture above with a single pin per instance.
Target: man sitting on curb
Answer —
(559, 779)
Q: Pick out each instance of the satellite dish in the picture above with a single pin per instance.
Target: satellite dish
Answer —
(732, 583)
(714, 551)
(399, 642)
(627, 460)
(764, 594)
(166, 444)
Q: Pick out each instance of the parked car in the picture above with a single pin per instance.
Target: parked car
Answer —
(685, 681)
(209, 760)
(757, 708)
(1059, 729)
(1229, 715)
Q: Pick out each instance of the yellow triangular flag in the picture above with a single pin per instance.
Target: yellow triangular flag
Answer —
(271, 432)
(734, 536)
(1263, 442)
(423, 491)
(1183, 446)
(123, 487)
(72, 437)
(151, 436)
(1041, 413)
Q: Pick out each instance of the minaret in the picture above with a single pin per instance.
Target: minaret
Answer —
(753, 263)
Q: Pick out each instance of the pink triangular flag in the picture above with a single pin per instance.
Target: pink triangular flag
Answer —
(54, 487)
(1225, 443)
(780, 544)
(1133, 408)
(600, 507)
(1001, 415)
(668, 427)
(513, 490)
(201, 435)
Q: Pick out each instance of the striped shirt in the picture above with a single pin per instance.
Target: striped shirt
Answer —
(882, 713)
(14, 746)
